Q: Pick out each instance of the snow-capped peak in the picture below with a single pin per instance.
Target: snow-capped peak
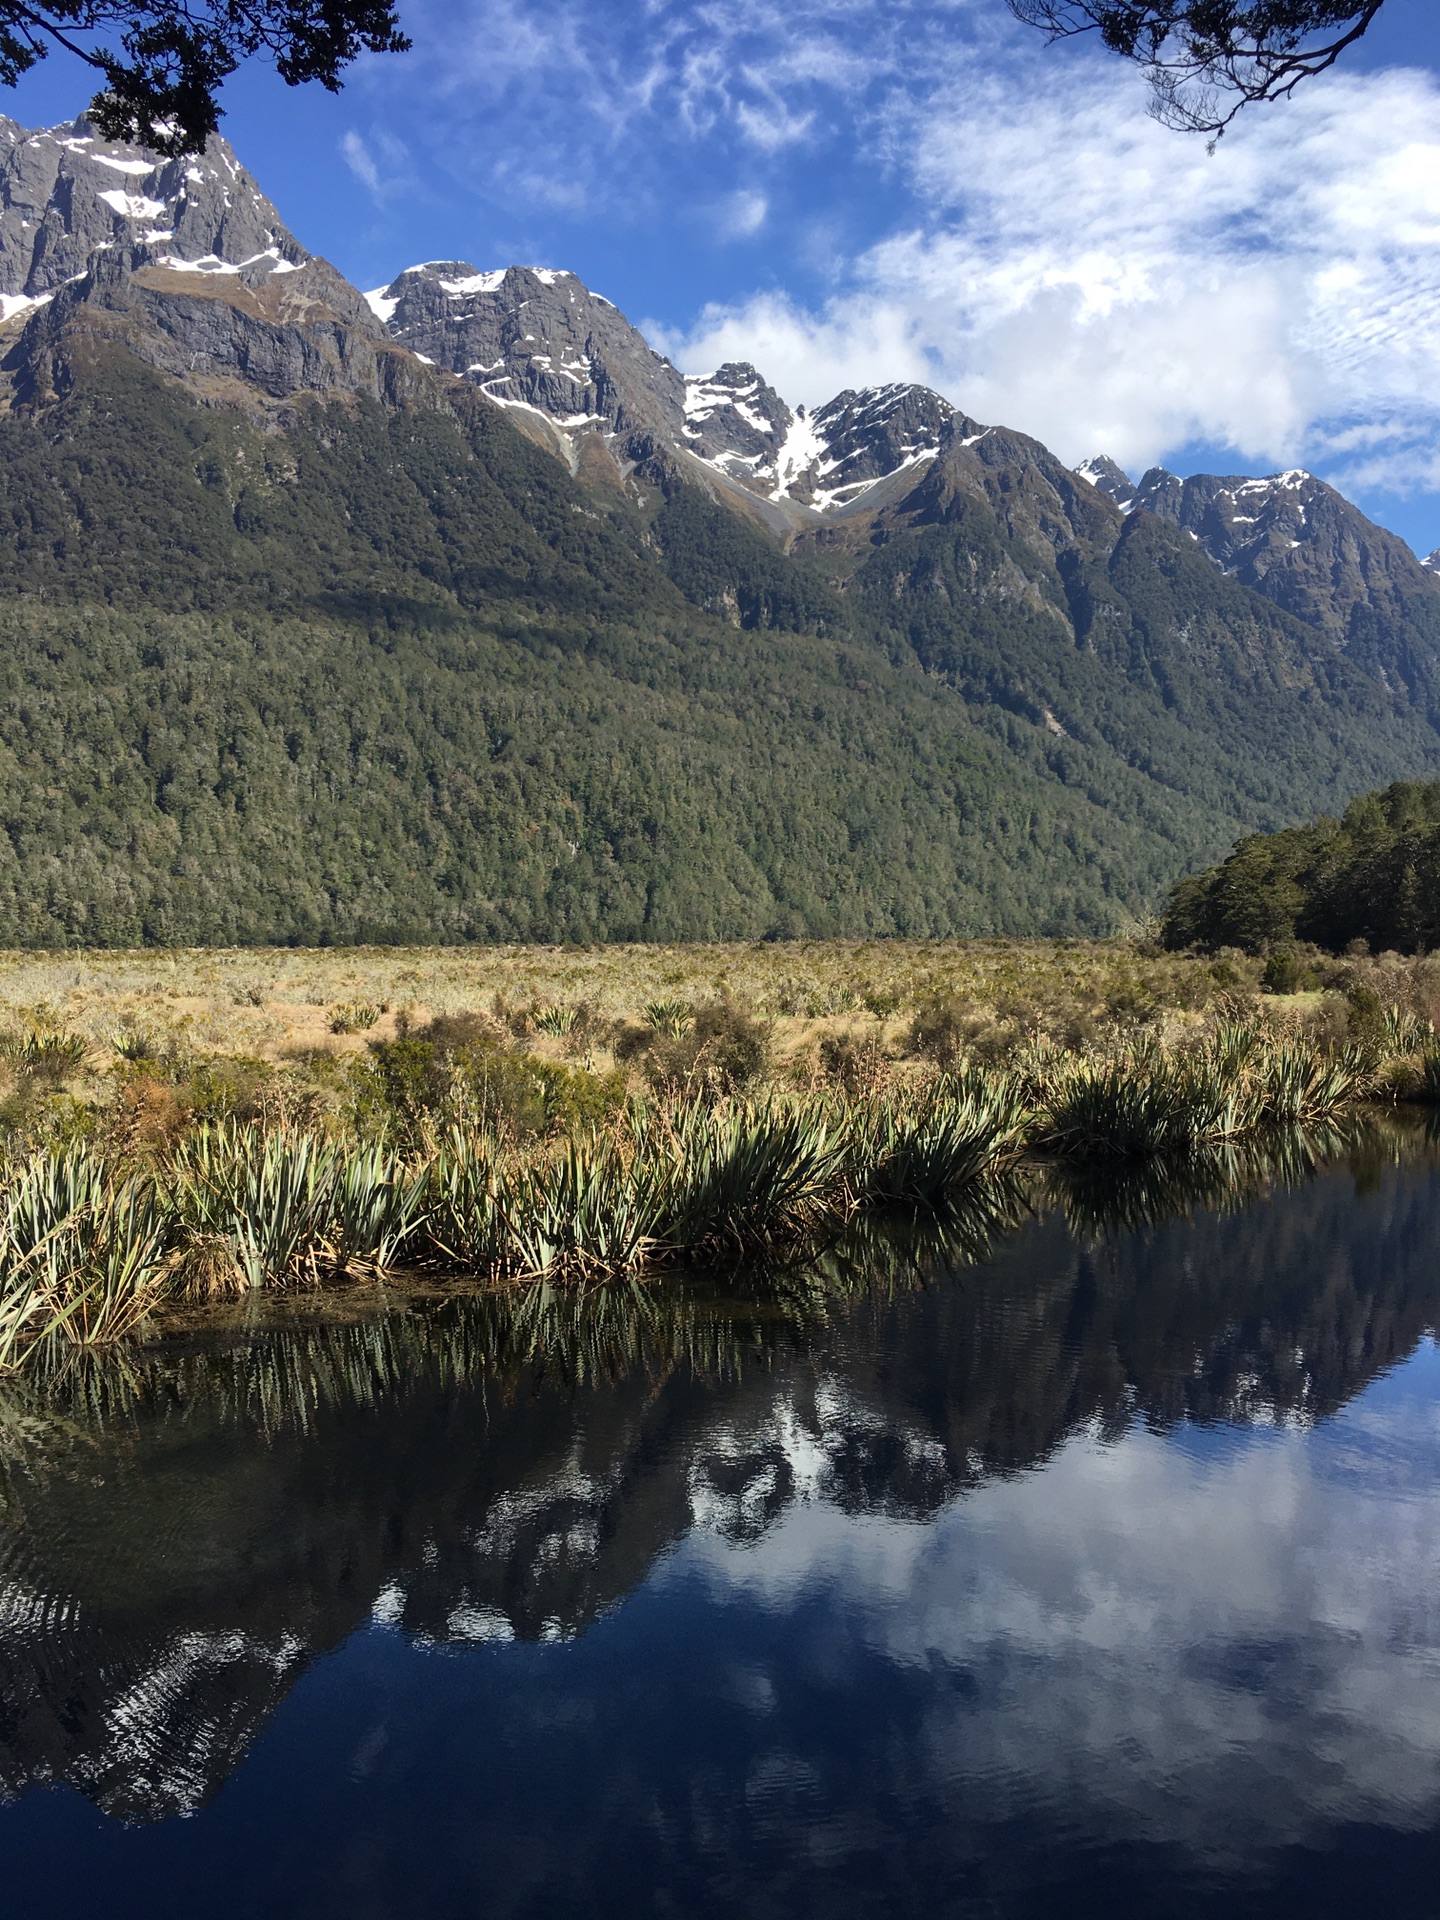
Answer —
(66, 195)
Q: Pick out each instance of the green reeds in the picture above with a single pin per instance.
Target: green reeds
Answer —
(1113, 1110)
(265, 1199)
(556, 1019)
(465, 1226)
(378, 1210)
(590, 1209)
(918, 1150)
(1148, 1102)
(1297, 1085)
(740, 1178)
(87, 1248)
(84, 1253)
(1429, 1087)
(673, 1018)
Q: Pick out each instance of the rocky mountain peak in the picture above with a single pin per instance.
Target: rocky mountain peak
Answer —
(537, 338)
(1110, 478)
(869, 434)
(1290, 535)
(182, 262)
(66, 194)
(737, 424)
(742, 428)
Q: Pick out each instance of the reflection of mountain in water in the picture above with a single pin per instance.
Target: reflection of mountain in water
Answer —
(180, 1542)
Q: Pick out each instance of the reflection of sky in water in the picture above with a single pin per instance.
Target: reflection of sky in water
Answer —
(1227, 1637)
(842, 1667)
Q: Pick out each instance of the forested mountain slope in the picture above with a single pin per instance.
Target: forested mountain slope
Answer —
(308, 639)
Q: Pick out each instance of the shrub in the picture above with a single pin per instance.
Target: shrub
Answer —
(670, 1017)
(1365, 1022)
(47, 1054)
(1286, 972)
(726, 1049)
(940, 1030)
(554, 1019)
(855, 1065)
(408, 1087)
(520, 1094)
(354, 1017)
(450, 1033)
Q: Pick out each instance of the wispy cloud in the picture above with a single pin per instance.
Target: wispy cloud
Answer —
(1036, 247)
(741, 215)
(382, 165)
(359, 160)
(1081, 272)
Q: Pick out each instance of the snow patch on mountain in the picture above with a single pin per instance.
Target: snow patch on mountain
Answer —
(61, 204)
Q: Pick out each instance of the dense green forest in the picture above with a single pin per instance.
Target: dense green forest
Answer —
(1372, 875)
(392, 674)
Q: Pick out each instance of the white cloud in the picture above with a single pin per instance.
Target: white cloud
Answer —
(358, 159)
(1082, 273)
(1111, 1606)
(1053, 259)
(382, 165)
(742, 215)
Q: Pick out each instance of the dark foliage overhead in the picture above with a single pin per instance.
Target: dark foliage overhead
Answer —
(1206, 59)
(163, 62)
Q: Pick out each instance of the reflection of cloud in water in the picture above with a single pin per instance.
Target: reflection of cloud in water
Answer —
(1225, 1648)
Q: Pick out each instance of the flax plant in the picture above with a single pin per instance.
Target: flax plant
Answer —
(264, 1198)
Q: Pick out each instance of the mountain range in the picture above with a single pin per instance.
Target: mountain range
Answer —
(453, 610)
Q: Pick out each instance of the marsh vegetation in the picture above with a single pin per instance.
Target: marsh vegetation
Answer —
(186, 1128)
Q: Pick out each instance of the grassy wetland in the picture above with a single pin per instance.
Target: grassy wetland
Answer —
(193, 1127)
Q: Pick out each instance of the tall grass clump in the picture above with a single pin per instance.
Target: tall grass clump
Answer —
(589, 1209)
(379, 1206)
(742, 1178)
(917, 1149)
(261, 1202)
(1118, 1109)
(1296, 1084)
(1147, 1101)
(85, 1252)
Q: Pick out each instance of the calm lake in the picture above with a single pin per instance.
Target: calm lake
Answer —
(1079, 1555)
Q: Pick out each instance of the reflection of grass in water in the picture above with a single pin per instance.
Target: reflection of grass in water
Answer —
(711, 1321)
(243, 1209)
(1225, 1175)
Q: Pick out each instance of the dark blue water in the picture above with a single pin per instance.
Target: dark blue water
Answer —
(1101, 1574)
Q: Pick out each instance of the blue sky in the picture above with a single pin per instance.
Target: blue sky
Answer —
(846, 193)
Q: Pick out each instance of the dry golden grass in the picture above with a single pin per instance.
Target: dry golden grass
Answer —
(274, 1003)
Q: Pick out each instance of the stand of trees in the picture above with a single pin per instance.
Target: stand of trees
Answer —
(1372, 875)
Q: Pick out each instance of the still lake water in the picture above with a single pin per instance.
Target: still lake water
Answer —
(1098, 1573)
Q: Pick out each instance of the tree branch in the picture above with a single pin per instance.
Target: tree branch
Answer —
(1206, 59)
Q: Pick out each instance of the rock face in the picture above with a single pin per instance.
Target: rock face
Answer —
(1290, 536)
(532, 338)
(868, 435)
(66, 192)
(536, 339)
(738, 424)
(184, 261)
(827, 459)
(1111, 479)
